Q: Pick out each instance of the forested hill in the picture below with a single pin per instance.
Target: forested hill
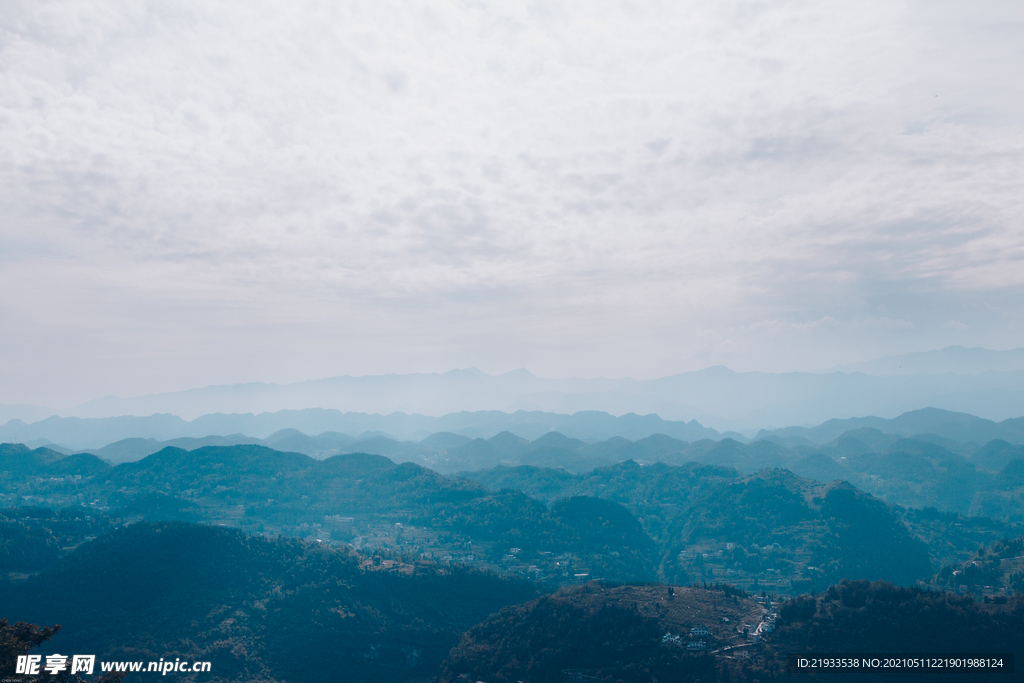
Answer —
(605, 632)
(920, 472)
(250, 601)
(1000, 564)
(858, 616)
(624, 522)
(16, 460)
(810, 532)
(32, 538)
(716, 524)
(907, 468)
(638, 634)
(258, 609)
(365, 500)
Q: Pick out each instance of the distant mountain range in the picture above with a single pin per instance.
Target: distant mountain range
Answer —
(929, 458)
(960, 427)
(318, 432)
(982, 382)
(95, 433)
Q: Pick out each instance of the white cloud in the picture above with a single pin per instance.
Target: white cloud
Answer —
(197, 193)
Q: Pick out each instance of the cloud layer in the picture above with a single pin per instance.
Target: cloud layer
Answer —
(259, 191)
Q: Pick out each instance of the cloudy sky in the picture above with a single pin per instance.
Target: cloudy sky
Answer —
(196, 193)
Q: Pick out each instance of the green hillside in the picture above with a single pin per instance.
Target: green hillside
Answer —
(256, 608)
(641, 634)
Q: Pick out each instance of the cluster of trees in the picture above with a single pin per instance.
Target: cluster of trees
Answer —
(839, 530)
(651, 513)
(18, 461)
(911, 472)
(613, 539)
(606, 632)
(33, 537)
(258, 609)
(836, 528)
(998, 565)
(592, 630)
(862, 616)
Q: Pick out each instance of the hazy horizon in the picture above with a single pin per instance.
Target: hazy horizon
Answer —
(981, 382)
(872, 366)
(198, 195)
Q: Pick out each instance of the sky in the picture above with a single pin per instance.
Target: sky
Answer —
(198, 193)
